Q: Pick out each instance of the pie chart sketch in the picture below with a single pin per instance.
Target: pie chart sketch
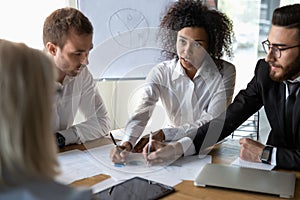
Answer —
(129, 28)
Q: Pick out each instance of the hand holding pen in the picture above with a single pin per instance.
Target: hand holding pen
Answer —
(119, 152)
(157, 135)
(162, 152)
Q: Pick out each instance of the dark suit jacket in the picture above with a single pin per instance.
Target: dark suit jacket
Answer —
(260, 91)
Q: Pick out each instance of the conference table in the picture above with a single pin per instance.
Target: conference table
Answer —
(222, 153)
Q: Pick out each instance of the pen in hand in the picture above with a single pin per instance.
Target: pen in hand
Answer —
(113, 139)
(149, 146)
(116, 145)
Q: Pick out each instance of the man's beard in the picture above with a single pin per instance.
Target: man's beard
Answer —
(277, 78)
(288, 73)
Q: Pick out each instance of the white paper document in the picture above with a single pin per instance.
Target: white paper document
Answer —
(135, 164)
(255, 165)
(185, 168)
(76, 165)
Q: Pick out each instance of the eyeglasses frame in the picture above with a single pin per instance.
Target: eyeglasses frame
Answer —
(266, 42)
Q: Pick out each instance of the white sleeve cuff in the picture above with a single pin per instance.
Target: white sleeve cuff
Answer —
(187, 146)
(70, 135)
(129, 139)
(173, 134)
(273, 158)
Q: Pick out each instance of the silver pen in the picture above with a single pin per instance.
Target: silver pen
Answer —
(149, 145)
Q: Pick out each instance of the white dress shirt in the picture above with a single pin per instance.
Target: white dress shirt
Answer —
(188, 103)
(78, 94)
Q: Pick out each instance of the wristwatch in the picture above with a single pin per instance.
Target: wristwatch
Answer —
(60, 140)
(266, 155)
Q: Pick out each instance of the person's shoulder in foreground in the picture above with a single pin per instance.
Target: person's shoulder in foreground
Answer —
(28, 153)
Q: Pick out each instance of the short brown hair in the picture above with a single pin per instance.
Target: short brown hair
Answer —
(58, 24)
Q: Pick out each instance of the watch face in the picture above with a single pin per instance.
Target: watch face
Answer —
(60, 140)
(265, 155)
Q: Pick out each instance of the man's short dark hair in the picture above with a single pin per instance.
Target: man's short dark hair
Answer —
(287, 16)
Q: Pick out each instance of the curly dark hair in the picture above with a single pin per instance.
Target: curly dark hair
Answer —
(193, 13)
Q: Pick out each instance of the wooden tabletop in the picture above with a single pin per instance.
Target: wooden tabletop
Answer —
(223, 153)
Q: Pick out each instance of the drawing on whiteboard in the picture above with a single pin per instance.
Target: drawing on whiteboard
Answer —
(125, 37)
(129, 28)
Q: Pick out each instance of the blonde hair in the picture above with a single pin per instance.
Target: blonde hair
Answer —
(27, 146)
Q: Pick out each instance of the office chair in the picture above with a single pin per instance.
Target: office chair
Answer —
(250, 126)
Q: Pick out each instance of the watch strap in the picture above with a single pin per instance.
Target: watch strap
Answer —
(60, 140)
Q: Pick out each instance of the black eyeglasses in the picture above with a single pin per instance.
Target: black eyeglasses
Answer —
(275, 49)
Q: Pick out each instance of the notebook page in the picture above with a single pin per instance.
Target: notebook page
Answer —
(255, 165)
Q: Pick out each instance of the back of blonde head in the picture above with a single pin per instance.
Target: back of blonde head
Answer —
(27, 147)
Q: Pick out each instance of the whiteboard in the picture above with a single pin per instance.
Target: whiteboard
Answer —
(125, 36)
